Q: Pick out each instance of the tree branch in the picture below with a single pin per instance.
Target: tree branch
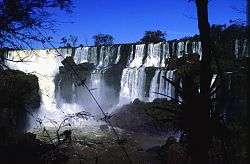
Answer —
(177, 87)
(174, 99)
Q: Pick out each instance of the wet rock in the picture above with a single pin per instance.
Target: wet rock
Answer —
(72, 74)
(137, 101)
(104, 128)
(171, 152)
(145, 117)
(112, 80)
(67, 136)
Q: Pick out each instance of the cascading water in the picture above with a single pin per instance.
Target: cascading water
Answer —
(44, 64)
(155, 55)
(240, 48)
(139, 76)
(134, 76)
(82, 54)
(180, 49)
(108, 56)
(154, 86)
(118, 58)
(137, 59)
(132, 84)
(160, 87)
(196, 48)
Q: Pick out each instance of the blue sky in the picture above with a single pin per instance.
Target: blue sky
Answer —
(127, 20)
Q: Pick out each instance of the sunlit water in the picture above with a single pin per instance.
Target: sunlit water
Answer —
(45, 65)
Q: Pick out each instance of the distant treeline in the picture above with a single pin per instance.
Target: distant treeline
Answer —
(222, 32)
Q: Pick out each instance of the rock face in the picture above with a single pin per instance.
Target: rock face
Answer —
(19, 94)
(111, 79)
(106, 81)
(67, 78)
(146, 117)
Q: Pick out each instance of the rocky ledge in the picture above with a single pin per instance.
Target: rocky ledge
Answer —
(157, 117)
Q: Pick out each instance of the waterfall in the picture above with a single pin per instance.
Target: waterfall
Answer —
(196, 48)
(134, 76)
(154, 55)
(92, 55)
(101, 57)
(86, 54)
(131, 57)
(154, 86)
(236, 48)
(180, 49)
(83, 98)
(137, 60)
(108, 56)
(165, 54)
(122, 73)
(132, 85)
(81, 55)
(118, 58)
(160, 85)
(245, 49)
(45, 65)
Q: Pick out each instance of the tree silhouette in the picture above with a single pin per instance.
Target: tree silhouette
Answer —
(248, 75)
(153, 37)
(70, 41)
(103, 39)
(198, 106)
(20, 21)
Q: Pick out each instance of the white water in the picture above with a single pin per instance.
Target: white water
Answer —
(159, 85)
(118, 58)
(82, 54)
(156, 55)
(137, 60)
(134, 77)
(132, 85)
(45, 64)
(240, 48)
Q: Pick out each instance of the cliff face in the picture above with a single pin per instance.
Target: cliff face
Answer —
(66, 81)
(19, 94)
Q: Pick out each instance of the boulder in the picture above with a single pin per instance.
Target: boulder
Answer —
(171, 152)
(146, 117)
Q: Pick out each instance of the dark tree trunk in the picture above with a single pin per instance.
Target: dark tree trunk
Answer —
(200, 104)
(248, 75)
(204, 28)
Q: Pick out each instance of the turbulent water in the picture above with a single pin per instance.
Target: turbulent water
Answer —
(122, 73)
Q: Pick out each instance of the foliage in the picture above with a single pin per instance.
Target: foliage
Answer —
(228, 109)
(231, 32)
(191, 38)
(20, 21)
(103, 39)
(153, 37)
(229, 103)
(19, 92)
(70, 41)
